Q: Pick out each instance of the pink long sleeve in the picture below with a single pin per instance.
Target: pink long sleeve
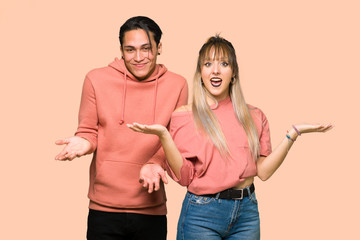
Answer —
(204, 170)
(88, 118)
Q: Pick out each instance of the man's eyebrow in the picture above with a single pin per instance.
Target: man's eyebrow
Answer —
(144, 45)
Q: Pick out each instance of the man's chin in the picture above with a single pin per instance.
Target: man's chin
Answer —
(141, 75)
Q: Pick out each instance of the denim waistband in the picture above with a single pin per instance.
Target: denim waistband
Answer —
(236, 194)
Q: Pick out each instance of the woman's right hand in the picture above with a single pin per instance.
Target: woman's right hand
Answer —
(155, 129)
(172, 153)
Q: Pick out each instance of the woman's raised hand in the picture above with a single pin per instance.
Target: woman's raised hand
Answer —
(308, 128)
(155, 129)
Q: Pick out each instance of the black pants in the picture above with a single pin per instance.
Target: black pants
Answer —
(125, 226)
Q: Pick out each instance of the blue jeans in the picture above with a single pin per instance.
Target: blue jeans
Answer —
(209, 218)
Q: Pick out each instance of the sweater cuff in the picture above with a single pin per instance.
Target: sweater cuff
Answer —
(186, 173)
(91, 140)
(157, 160)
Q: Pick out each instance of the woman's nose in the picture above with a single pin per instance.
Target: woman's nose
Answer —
(216, 69)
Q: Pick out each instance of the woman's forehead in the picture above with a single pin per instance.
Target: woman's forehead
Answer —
(216, 53)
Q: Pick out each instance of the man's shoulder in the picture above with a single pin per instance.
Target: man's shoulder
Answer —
(174, 76)
(101, 75)
(99, 71)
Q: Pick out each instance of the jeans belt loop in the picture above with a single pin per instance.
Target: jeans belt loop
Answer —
(217, 195)
(248, 189)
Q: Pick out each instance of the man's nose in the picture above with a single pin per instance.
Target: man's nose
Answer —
(138, 56)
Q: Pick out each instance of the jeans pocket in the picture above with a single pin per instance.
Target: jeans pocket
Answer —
(253, 198)
(200, 200)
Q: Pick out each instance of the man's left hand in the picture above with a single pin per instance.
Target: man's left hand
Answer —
(150, 175)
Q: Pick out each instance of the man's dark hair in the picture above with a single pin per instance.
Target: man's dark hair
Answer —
(141, 22)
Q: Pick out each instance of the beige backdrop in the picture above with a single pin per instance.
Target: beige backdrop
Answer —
(299, 62)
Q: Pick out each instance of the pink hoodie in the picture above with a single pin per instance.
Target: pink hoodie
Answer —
(111, 98)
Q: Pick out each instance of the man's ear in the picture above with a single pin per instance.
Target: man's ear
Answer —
(122, 52)
(159, 48)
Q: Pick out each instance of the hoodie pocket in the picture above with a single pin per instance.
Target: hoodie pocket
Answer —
(116, 184)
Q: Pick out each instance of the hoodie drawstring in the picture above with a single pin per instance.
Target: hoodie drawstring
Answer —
(154, 101)
(119, 65)
(122, 117)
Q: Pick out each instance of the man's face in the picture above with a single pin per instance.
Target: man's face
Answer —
(139, 58)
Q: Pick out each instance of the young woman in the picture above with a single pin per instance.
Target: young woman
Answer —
(216, 146)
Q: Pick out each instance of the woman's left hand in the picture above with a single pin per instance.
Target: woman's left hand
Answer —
(308, 128)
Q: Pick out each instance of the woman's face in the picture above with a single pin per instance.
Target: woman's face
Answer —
(216, 74)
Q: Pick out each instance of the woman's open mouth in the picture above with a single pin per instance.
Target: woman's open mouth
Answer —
(216, 82)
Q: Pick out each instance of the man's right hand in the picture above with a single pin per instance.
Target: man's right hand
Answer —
(75, 147)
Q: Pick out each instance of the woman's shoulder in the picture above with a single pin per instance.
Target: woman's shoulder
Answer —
(182, 119)
(184, 108)
(254, 109)
(257, 113)
(182, 116)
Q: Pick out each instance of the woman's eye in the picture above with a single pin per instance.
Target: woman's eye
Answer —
(225, 64)
(207, 64)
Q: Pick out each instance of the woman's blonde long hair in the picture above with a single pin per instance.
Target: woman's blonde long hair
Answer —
(218, 47)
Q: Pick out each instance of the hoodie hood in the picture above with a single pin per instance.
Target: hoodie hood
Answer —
(119, 65)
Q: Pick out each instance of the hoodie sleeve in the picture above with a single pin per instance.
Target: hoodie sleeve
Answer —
(183, 97)
(88, 118)
(159, 156)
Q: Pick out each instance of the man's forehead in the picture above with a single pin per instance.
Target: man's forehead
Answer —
(137, 37)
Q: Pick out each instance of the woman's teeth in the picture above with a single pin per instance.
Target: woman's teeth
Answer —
(215, 82)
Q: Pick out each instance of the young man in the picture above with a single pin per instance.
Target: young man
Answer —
(131, 89)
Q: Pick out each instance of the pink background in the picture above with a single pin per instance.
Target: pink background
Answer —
(299, 62)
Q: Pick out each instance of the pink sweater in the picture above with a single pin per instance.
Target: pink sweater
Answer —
(204, 171)
(111, 98)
